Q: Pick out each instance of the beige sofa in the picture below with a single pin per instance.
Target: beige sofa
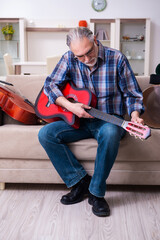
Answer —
(23, 160)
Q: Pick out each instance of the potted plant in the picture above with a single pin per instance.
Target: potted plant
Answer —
(8, 32)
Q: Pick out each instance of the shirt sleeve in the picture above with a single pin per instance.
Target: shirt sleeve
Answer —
(129, 86)
(57, 79)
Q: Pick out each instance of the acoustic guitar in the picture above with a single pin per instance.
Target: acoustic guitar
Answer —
(52, 112)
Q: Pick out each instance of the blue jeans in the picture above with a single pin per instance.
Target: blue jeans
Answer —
(55, 136)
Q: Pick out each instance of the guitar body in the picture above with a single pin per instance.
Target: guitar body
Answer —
(52, 112)
(16, 107)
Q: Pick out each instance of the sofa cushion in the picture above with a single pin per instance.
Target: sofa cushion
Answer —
(22, 143)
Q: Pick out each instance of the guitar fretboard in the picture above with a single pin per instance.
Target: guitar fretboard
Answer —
(105, 116)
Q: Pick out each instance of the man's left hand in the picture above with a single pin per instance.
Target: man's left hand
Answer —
(135, 117)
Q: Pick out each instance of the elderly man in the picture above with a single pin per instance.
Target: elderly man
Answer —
(107, 73)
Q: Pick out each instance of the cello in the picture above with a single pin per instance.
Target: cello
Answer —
(16, 106)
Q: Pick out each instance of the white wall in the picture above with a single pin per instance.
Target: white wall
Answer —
(81, 9)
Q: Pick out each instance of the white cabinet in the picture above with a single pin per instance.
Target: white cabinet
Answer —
(104, 29)
(130, 36)
(133, 39)
(15, 47)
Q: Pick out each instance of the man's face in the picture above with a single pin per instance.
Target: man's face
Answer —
(85, 51)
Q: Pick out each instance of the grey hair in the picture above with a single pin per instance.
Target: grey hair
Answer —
(79, 33)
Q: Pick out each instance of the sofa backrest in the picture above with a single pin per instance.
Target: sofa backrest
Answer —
(143, 82)
(29, 87)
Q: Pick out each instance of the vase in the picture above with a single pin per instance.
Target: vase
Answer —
(82, 23)
(8, 36)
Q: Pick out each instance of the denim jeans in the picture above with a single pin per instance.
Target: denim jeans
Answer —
(55, 136)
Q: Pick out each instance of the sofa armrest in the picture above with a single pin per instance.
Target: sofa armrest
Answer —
(1, 117)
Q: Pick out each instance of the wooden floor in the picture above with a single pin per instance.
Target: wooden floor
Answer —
(33, 212)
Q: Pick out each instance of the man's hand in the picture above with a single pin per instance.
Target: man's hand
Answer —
(76, 108)
(79, 110)
(135, 118)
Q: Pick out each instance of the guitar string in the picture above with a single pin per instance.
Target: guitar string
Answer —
(104, 116)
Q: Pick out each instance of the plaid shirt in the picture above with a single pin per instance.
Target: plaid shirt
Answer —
(111, 80)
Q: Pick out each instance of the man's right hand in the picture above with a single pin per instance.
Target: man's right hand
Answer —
(79, 110)
(76, 108)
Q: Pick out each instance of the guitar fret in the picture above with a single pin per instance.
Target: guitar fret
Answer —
(104, 116)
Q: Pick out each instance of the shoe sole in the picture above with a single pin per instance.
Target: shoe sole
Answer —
(102, 214)
(99, 214)
(74, 202)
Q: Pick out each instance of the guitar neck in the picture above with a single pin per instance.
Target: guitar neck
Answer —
(105, 116)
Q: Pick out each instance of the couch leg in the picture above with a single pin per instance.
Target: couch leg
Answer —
(2, 186)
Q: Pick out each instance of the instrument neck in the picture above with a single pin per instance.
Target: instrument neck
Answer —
(105, 116)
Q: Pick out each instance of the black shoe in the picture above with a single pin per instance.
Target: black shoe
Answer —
(78, 192)
(100, 206)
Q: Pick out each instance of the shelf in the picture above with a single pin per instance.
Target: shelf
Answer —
(9, 20)
(139, 59)
(43, 29)
(1, 59)
(16, 47)
(3, 40)
(102, 20)
(132, 41)
(133, 20)
(104, 41)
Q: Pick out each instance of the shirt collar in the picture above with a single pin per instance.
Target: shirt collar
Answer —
(101, 51)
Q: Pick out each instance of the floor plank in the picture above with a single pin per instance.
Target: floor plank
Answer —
(34, 212)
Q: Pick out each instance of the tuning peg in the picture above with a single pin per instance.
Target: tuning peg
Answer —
(131, 134)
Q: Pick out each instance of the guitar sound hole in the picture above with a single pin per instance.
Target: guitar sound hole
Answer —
(71, 100)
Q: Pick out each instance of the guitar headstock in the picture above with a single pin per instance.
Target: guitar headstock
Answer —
(137, 130)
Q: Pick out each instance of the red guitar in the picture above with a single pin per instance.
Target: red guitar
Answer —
(52, 112)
